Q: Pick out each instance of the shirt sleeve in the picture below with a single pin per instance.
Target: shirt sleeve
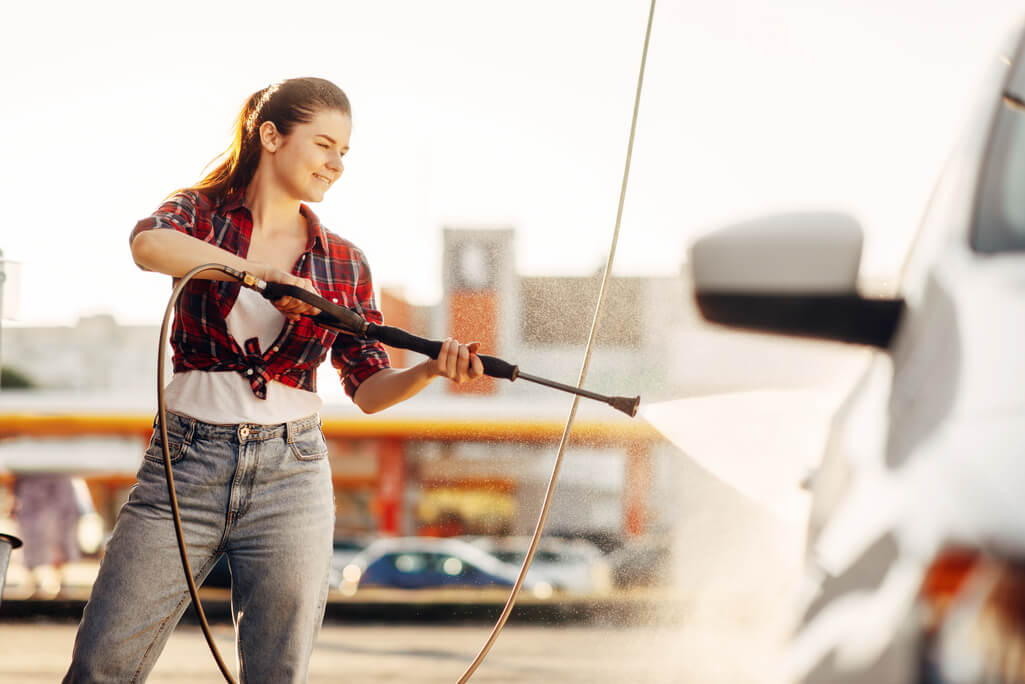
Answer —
(356, 359)
(178, 212)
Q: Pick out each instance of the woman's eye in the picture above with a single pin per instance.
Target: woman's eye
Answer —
(324, 145)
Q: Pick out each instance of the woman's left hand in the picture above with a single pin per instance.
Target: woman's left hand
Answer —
(457, 362)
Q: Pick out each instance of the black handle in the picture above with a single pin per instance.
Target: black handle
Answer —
(348, 319)
(397, 337)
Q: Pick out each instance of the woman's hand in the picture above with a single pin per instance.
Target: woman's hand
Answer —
(291, 307)
(457, 362)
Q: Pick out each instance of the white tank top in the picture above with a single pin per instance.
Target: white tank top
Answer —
(225, 397)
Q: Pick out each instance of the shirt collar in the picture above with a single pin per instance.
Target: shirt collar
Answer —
(233, 201)
(315, 232)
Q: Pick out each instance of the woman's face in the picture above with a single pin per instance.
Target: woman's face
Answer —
(308, 160)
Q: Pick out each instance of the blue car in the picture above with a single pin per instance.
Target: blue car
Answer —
(427, 562)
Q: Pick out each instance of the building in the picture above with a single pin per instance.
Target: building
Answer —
(470, 458)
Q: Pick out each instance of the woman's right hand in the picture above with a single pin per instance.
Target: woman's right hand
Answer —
(291, 307)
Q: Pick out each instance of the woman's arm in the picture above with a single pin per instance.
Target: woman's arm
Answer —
(388, 386)
(175, 254)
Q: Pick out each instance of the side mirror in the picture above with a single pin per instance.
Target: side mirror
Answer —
(791, 274)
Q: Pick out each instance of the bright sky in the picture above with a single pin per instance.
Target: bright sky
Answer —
(470, 113)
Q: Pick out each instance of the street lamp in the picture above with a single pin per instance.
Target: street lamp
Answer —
(9, 271)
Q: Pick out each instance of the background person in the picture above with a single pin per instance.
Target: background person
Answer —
(47, 512)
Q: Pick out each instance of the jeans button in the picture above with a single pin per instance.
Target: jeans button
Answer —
(243, 432)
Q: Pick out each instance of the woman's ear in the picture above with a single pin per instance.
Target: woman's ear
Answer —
(270, 137)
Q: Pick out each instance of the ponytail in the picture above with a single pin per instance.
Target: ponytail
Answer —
(284, 104)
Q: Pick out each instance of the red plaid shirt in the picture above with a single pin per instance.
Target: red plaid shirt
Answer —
(200, 337)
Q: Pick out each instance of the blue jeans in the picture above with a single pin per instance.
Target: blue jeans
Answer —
(261, 494)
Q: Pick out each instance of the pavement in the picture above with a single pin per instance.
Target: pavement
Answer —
(410, 653)
(642, 637)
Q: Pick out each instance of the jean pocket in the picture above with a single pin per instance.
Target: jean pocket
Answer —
(155, 453)
(309, 445)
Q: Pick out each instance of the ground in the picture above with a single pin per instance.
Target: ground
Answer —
(38, 651)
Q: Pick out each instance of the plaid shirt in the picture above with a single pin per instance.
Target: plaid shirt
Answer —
(200, 337)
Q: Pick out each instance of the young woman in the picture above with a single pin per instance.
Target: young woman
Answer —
(250, 460)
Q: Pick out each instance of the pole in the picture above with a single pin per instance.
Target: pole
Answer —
(3, 277)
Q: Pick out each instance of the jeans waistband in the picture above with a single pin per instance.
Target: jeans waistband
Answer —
(190, 428)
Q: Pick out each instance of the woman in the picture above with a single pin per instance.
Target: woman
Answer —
(250, 460)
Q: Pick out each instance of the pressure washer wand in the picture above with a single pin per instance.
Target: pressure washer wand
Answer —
(349, 322)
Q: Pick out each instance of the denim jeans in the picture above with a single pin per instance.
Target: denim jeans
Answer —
(261, 494)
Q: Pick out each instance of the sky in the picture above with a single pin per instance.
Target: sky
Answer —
(473, 113)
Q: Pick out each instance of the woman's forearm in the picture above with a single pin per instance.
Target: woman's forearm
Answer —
(389, 386)
(175, 254)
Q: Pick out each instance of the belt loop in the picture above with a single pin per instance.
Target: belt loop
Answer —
(190, 431)
(290, 431)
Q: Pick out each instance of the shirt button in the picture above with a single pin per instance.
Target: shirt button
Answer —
(275, 348)
(249, 371)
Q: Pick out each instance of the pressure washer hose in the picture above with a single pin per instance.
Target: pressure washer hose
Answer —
(162, 426)
(564, 441)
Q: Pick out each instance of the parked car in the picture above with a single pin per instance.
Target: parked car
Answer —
(642, 562)
(572, 564)
(915, 538)
(430, 562)
(345, 549)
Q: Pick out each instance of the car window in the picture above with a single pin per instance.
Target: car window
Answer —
(1000, 217)
(1000, 213)
(516, 557)
(452, 566)
(409, 562)
(419, 562)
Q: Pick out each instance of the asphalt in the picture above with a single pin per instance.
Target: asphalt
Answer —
(36, 651)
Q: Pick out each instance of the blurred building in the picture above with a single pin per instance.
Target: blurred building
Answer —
(470, 459)
(95, 355)
(481, 473)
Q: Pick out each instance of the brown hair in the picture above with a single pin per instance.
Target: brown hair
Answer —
(285, 104)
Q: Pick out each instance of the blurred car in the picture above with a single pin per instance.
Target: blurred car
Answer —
(641, 563)
(344, 550)
(430, 562)
(572, 564)
(923, 474)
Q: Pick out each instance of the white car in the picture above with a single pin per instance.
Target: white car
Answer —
(574, 565)
(918, 519)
